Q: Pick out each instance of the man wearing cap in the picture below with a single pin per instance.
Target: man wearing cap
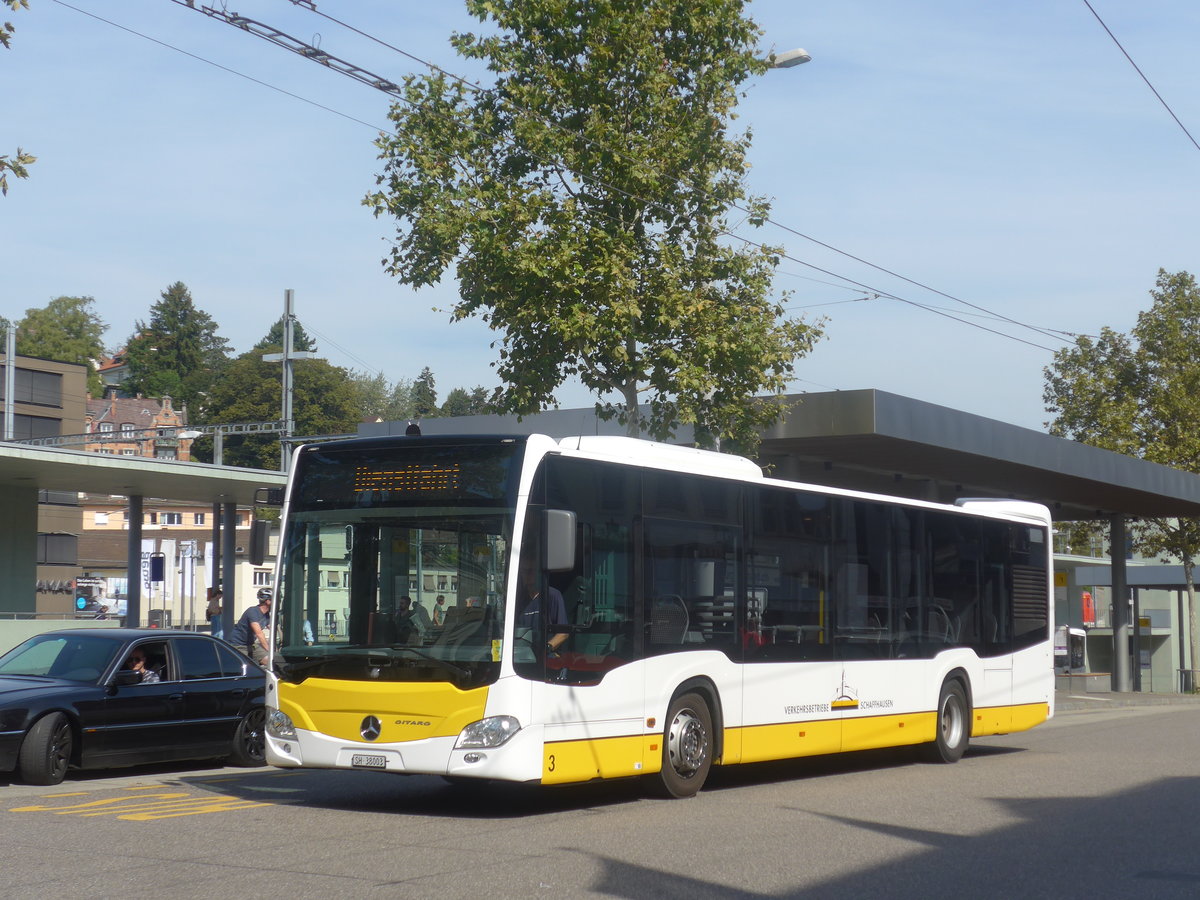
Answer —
(252, 632)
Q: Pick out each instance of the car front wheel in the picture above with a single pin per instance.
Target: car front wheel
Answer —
(249, 742)
(46, 750)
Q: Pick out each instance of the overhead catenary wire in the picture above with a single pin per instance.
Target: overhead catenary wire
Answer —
(388, 86)
(307, 4)
(1137, 69)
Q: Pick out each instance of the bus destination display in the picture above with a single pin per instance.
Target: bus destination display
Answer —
(431, 478)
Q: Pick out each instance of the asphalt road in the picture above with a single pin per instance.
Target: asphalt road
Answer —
(1094, 804)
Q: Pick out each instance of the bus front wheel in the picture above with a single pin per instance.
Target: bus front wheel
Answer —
(953, 725)
(687, 747)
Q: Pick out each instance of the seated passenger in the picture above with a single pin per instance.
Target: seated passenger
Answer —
(137, 663)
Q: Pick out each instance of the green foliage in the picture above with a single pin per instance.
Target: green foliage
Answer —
(461, 402)
(424, 395)
(177, 353)
(250, 390)
(274, 338)
(67, 329)
(7, 29)
(17, 164)
(585, 201)
(1139, 394)
(377, 398)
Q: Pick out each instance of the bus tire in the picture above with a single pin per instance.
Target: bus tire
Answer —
(953, 724)
(46, 751)
(687, 748)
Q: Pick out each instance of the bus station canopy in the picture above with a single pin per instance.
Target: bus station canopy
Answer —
(53, 469)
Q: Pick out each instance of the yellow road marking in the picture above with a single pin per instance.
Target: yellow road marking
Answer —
(147, 807)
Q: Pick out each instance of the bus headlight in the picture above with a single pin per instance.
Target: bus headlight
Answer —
(279, 725)
(490, 732)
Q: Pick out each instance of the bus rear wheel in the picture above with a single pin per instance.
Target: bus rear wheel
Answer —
(953, 725)
(687, 747)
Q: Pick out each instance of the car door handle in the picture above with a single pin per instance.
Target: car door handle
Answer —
(238, 692)
(175, 696)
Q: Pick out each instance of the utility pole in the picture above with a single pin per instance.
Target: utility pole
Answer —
(10, 379)
(287, 357)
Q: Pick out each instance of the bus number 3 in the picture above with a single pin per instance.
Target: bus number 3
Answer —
(550, 763)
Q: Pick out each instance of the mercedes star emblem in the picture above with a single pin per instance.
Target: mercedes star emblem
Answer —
(370, 728)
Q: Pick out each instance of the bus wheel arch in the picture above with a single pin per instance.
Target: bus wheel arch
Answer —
(952, 725)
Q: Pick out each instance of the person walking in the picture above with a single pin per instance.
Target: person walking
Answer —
(252, 633)
(213, 613)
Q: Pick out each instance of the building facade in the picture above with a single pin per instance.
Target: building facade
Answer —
(48, 399)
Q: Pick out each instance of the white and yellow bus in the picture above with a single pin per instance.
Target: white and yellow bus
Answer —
(629, 608)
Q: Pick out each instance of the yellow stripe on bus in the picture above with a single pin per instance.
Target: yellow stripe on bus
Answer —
(1007, 719)
(788, 740)
(569, 761)
(406, 711)
(564, 762)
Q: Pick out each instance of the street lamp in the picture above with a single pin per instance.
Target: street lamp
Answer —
(788, 58)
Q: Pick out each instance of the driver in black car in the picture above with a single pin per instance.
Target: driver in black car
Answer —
(137, 662)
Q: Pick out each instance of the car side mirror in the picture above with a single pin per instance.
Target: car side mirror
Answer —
(126, 677)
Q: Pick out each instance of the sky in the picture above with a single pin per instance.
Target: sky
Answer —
(976, 161)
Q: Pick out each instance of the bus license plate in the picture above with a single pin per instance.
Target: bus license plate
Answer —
(366, 761)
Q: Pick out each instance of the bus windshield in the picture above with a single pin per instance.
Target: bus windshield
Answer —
(394, 561)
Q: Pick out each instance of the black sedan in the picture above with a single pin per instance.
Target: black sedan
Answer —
(97, 698)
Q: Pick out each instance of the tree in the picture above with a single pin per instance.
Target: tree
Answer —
(250, 390)
(461, 402)
(377, 398)
(17, 164)
(585, 202)
(1139, 394)
(177, 353)
(67, 329)
(424, 395)
(274, 338)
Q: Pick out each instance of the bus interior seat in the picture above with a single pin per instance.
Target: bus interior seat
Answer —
(668, 620)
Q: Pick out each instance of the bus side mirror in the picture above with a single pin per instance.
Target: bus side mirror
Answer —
(560, 540)
(260, 531)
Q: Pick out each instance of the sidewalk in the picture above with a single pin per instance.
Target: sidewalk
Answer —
(1065, 701)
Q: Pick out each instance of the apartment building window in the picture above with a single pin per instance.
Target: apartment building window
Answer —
(37, 388)
(152, 518)
(106, 427)
(101, 518)
(128, 452)
(127, 428)
(262, 578)
(57, 550)
(28, 427)
(172, 518)
(197, 518)
(334, 579)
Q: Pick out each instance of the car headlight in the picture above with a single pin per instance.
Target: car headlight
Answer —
(490, 732)
(279, 725)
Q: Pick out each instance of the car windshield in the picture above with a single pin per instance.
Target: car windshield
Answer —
(72, 657)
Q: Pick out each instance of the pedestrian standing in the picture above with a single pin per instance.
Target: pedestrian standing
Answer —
(252, 633)
(213, 613)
